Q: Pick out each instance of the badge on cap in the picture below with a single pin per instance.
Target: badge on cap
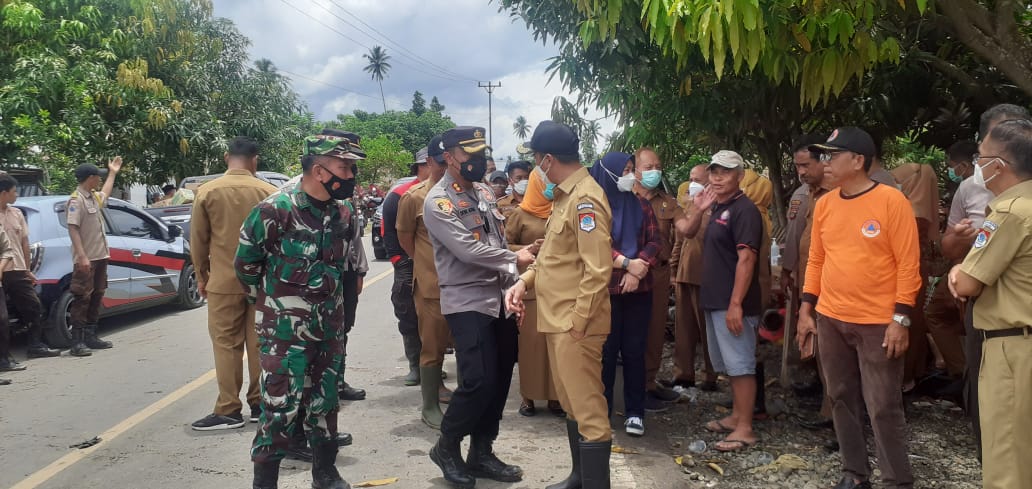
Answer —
(478, 133)
(443, 205)
(587, 221)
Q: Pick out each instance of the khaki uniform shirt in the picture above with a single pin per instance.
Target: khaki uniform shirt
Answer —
(521, 229)
(6, 248)
(474, 264)
(508, 204)
(813, 195)
(687, 260)
(667, 212)
(575, 263)
(1001, 258)
(13, 222)
(798, 204)
(410, 220)
(84, 211)
(218, 212)
(919, 184)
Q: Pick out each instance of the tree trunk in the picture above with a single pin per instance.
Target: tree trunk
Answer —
(993, 36)
(382, 97)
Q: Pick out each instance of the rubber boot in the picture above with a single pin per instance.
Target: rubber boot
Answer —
(266, 475)
(79, 349)
(38, 349)
(430, 382)
(484, 464)
(595, 464)
(574, 479)
(324, 467)
(412, 348)
(448, 456)
(92, 341)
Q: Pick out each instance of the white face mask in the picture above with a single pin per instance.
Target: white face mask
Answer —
(626, 182)
(521, 187)
(694, 188)
(979, 176)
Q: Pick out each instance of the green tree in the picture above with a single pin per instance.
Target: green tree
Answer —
(418, 103)
(435, 105)
(521, 128)
(411, 130)
(386, 160)
(378, 68)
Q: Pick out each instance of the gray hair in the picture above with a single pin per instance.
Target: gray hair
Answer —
(1016, 138)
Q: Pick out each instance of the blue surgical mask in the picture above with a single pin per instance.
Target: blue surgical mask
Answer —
(953, 176)
(549, 191)
(650, 179)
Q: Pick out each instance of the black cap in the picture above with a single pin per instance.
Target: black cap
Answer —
(847, 139)
(87, 170)
(469, 138)
(435, 149)
(554, 138)
(498, 175)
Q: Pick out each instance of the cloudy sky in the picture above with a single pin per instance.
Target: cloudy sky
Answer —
(439, 47)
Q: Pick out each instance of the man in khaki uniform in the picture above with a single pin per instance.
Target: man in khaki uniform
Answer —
(433, 329)
(90, 254)
(519, 175)
(572, 273)
(648, 174)
(219, 210)
(998, 271)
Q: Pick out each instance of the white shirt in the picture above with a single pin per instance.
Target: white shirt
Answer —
(969, 202)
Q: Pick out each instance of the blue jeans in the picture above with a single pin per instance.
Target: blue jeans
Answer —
(630, 315)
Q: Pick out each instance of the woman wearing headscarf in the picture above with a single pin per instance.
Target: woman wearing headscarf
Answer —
(526, 226)
(636, 245)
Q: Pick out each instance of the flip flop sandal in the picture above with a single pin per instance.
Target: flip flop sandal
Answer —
(716, 426)
(735, 445)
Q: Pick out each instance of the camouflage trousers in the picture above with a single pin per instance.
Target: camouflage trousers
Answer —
(296, 373)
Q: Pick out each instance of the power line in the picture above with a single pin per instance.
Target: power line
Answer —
(338, 87)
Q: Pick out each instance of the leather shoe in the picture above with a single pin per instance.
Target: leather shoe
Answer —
(816, 424)
(5, 381)
(831, 445)
(807, 389)
(847, 482)
(344, 439)
(41, 351)
(348, 393)
(10, 365)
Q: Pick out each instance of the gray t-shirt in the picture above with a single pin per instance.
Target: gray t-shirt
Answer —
(969, 202)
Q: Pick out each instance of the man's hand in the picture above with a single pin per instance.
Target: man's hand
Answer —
(787, 280)
(115, 164)
(896, 340)
(32, 278)
(524, 257)
(964, 229)
(951, 281)
(535, 247)
(514, 298)
(734, 319)
(81, 262)
(361, 283)
(705, 199)
(577, 335)
(805, 325)
(202, 288)
(638, 267)
(629, 283)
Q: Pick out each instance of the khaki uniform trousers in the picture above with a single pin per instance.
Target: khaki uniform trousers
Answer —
(577, 373)
(657, 325)
(1005, 408)
(232, 329)
(433, 331)
(535, 371)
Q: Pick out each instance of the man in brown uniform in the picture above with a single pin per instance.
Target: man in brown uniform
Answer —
(219, 210)
(998, 270)
(648, 174)
(90, 254)
(572, 273)
(689, 325)
(518, 173)
(433, 329)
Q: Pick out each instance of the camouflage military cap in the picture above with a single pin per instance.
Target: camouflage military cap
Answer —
(335, 143)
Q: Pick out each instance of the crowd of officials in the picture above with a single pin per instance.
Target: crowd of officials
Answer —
(567, 270)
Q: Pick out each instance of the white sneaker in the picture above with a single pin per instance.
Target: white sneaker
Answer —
(634, 426)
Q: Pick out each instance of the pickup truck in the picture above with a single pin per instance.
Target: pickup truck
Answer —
(180, 214)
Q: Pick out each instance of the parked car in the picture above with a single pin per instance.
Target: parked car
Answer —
(150, 262)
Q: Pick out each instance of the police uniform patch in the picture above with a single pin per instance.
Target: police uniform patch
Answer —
(476, 235)
(587, 221)
(982, 238)
(443, 205)
(793, 208)
(585, 205)
(464, 204)
(990, 226)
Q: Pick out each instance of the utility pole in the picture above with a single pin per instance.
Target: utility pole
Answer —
(490, 89)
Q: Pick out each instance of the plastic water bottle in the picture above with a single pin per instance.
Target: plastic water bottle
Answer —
(697, 446)
(775, 253)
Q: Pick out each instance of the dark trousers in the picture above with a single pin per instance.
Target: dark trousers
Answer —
(403, 299)
(973, 351)
(857, 371)
(88, 286)
(630, 315)
(349, 286)
(485, 351)
(19, 288)
(5, 330)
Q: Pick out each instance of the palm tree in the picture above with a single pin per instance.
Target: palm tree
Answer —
(520, 128)
(378, 68)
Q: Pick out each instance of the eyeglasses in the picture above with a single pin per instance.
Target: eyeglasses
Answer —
(974, 160)
(827, 156)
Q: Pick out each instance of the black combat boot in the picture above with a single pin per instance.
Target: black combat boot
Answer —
(38, 349)
(266, 475)
(344, 439)
(348, 393)
(79, 349)
(448, 456)
(595, 464)
(412, 348)
(574, 480)
(298, 447)
(484, 464)
(93, 341)
(324, 468)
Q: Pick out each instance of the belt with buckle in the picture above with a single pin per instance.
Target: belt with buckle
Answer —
(1003, 333)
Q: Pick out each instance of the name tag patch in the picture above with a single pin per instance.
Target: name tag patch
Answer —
(586, 221)
(585, 205)
(990, 226)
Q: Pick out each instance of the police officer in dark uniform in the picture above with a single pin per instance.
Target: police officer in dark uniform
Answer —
(474, 268)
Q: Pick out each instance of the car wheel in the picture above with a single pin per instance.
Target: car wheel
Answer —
(58, 326)
(189, 295)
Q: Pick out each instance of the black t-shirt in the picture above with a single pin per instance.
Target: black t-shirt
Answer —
(387, 226)
(732, 225)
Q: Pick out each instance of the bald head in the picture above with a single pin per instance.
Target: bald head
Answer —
(699, 175)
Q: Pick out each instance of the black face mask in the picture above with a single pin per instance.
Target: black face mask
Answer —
(474, 169)
(339, 188)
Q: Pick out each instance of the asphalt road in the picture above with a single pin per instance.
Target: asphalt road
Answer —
(141, 396)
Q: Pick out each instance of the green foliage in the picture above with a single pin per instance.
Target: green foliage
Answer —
(521, 128)
(418, 103)
(378, 68)
(386, 160)
(435, 105)
(411, 130)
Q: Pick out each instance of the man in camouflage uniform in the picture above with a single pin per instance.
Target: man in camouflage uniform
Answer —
(292, 258)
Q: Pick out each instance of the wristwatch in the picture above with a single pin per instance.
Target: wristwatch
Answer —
(626, 262)
(902, 319)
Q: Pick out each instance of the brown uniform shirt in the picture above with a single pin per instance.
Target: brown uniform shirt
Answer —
(219, 210)
(1001, 258)
(507, 205)
(522, 229)
(687, 260)
(575, 263)
(410, 220)
(84, 211)
(919, 184)
(13, 222)
(667, 212)
(805, 238)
